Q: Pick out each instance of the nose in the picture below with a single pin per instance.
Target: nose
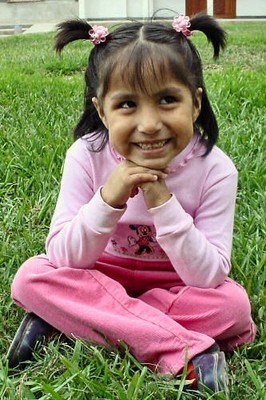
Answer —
(149, 121)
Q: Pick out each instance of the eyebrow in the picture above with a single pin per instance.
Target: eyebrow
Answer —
(171, 90)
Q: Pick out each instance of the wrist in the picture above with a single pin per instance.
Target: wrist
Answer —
(157, 201)
(109, 201)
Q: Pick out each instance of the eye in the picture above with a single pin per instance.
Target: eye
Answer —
(168, 100)
(127, 104)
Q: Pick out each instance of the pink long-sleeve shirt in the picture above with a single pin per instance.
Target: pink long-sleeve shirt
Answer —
(192, 230)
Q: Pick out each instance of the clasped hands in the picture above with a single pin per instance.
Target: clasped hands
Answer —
(126, 180)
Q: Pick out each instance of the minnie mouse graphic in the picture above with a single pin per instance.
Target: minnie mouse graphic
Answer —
(145, 237)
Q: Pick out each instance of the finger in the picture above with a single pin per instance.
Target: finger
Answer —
(137, 179)
(143, 170)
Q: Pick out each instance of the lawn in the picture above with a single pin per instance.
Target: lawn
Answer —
(41, 99)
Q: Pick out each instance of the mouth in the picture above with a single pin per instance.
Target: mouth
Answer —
(152, 145)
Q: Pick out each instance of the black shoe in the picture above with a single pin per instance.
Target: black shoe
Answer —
(211, 372)
(32, 330)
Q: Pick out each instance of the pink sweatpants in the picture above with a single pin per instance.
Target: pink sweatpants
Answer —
(163, 322)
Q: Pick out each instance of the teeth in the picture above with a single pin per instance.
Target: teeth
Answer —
(150, 146)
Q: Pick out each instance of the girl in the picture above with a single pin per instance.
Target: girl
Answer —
(140, 241)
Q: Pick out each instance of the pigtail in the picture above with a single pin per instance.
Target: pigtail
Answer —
(89, 122)
(70, 31)
(213, 31)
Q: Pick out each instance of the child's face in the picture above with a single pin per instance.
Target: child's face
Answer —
(149, 129)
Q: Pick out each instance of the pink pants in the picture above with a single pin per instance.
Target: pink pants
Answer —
(163, 322)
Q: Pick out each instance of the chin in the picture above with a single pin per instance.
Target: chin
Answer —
(155, 165)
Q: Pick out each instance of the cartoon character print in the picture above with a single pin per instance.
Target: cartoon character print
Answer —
(122, 250)
(145, 237)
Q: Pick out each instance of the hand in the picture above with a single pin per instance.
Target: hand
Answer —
(125, 180)
(155, 193)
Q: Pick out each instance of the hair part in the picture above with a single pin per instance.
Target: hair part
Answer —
(140, 50)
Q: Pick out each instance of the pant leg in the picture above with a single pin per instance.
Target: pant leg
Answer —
(85, 302)
(223, 313)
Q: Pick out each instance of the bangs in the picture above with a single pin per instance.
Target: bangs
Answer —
(144, 65)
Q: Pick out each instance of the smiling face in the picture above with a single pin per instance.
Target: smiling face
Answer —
(149, 127)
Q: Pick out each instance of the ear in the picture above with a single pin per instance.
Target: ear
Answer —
(100, 110)
(197, 104)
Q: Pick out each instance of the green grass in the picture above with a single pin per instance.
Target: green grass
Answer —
(41, 99)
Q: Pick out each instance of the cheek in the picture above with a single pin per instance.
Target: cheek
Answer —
(117, 141)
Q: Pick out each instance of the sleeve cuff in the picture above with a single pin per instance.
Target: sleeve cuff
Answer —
(170, 217)
(103, 218)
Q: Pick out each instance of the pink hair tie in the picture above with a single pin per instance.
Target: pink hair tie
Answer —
(181, 23)
(98, 34)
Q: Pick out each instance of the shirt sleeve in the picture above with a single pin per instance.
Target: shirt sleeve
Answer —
(82, 222)
(199, 248)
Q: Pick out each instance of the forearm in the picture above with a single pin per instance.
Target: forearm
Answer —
(79, 242)
(199, 259)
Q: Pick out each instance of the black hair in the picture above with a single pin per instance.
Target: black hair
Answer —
(141, 46)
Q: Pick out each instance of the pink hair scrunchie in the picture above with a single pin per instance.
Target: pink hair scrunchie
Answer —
(98, 34)
(181, 23)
